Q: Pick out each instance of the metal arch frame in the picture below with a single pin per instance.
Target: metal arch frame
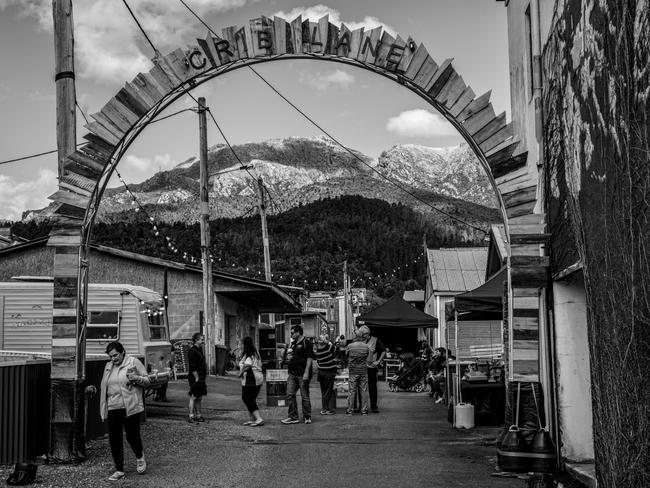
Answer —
(208, 75)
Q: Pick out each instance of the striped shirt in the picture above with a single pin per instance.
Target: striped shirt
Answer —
(358, 352)
(326, 357)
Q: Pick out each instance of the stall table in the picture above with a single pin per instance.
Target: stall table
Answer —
(489, 400)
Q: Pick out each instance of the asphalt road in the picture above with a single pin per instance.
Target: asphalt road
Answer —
(408, 444)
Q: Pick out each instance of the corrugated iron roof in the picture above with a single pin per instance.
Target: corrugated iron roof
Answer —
(457, 269)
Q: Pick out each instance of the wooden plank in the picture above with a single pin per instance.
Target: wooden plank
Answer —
(477, 121)
(525, 378)
(60, 240)
(443, 71)
(65, 287)
(355, 43)
(115, 109)
(526, 228)
(307, 36)
(531, 219)
(72, 166)
(84, 159)
(101, 132)
(501, 167)
(144, 82)
(178, 61)
(66, 265)
(64, 303)
(525, 301)
(280, 34)
(343, 42)
(529, 277)
(517, 197)
(70, 198)
(73, 188)
(169, 72)
(230, 35)
(80, 182)
(324, 32)
(529, 249)
(530, 261)
(261, 30)
(139, 95)
(332, 39)
(410, 49)
(296, 35)
(131, 103)
(526, 323)
(505, 134)
(493, 126)
(417, 62)
(451, 91)
(117, 118)
(475, 106)
(98, 146)
(530, 353)
(161, 77)
(106, 123)
(70, 213)
(369, 45)
(426, 72)
(522, 209)
(463, 101)
(248, 35)
(384, 48)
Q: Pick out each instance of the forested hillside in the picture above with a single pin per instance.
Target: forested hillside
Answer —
(382, 243)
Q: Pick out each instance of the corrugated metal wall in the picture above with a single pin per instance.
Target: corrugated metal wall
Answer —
(24, 410)
(473, 333)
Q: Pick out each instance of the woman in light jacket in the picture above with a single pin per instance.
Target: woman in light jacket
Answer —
(121, 402)
(250, 372)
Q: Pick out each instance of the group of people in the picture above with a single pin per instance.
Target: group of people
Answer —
(125, 378)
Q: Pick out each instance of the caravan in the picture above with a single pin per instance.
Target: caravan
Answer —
(133, 315)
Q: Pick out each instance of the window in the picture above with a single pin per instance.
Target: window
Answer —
(103, 325)
(157, 325)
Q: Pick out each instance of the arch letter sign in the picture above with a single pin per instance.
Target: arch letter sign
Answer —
(118, 123)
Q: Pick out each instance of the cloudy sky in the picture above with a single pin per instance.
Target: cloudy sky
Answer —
(362, 110)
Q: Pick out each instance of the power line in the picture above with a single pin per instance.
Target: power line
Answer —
(156, 52)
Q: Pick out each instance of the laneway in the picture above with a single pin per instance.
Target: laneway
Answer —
(409, 443)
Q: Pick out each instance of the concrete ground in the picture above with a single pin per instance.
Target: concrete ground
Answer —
(409, 443)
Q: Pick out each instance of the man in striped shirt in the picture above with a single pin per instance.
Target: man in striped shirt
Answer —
(357, 352)
(326, 357)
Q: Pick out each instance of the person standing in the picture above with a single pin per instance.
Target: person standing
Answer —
(299, 356)
(197, 373)
(121, 403)
(250, 372)
(377, 354)
(326, 358)
(358, 353)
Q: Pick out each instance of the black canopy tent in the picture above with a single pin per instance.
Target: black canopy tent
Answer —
(482, 303)
(397, 321)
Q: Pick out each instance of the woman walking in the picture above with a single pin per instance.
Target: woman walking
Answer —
(121, 402)
(326, 359)
(250, 371)
(196, 377)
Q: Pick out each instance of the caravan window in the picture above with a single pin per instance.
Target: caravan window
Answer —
(103, 325)
(157, 326)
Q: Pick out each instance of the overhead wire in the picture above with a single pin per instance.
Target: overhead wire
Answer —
(391, 181)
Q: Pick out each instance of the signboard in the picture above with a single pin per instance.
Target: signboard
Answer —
(276, 375)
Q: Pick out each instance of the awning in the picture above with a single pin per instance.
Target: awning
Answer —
(484, 302)
(397, 313)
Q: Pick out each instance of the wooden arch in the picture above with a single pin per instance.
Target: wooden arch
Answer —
(118, 123)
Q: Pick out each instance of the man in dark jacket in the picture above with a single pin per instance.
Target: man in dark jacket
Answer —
(298, 357)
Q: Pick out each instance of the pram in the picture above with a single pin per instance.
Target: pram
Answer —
(408, 378)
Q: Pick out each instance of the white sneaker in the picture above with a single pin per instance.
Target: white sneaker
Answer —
(117, 475)
(141, 465)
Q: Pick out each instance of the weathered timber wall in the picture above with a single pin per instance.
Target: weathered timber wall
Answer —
(597, 140)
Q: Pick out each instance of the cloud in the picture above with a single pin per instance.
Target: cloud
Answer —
(135, 169)
(16, 197)
(318, 11)
(109, 46)
(419, 123)
(323, 81)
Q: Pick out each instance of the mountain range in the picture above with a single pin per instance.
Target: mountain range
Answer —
(437, 182)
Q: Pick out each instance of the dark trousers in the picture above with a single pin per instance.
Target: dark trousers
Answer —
(372, 387)
(326, 379)
(118, 421)
(249, 396)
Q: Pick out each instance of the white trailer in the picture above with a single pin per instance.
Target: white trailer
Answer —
(133, 315)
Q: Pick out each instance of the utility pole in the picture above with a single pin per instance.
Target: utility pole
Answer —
(208, 294)
(265, 232)
(64, 79)
(346, 299)
(66, 430)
